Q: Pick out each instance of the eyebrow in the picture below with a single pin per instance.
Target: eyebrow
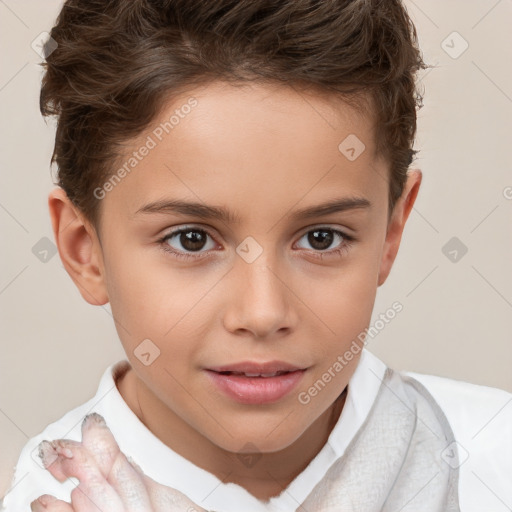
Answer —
(204, 211)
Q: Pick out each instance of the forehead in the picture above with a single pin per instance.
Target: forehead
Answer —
(275, 114)
(259, 143)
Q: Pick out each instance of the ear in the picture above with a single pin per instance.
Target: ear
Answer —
(397, 223)
(79, 248)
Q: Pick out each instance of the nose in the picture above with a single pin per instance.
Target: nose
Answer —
(260, 301)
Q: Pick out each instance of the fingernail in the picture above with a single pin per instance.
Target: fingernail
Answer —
(94, 418)
(46, 499)
(47, 453)
(62, 450)
(67, 453)
(42, 502)
(36, 506)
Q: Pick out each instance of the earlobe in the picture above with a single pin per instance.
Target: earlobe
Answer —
(397, 222)
(79, 248)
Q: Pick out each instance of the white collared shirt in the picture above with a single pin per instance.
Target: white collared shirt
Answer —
(480, 417)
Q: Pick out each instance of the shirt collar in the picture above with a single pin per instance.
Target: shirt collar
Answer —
(167, 467)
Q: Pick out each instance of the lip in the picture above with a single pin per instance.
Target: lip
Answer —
(256, 390)
(257, 367)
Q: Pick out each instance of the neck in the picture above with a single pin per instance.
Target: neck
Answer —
(264, 475)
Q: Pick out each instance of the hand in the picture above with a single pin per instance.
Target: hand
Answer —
(108, 481)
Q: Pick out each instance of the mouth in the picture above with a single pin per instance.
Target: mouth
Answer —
(256, 369)
(255, 374)
(256, 383)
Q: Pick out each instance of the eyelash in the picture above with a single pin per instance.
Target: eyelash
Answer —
(340, 251)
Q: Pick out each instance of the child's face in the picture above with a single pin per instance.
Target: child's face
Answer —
(263, 154)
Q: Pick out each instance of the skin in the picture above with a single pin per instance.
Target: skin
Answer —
(263, 152)
(107, 479)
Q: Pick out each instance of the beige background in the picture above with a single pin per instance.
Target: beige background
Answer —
(456, 316)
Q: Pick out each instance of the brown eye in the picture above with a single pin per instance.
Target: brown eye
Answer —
(187, 240)
(192, 240)
(327, 242)
(321, 239)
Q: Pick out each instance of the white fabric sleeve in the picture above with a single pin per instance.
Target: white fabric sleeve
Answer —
(481, 420)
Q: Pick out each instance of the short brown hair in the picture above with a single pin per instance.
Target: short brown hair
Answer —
(117, 61)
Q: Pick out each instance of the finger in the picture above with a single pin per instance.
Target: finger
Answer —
(93, 491)
(49, 458)
(48, 503)
(99, 442)
(119, 473)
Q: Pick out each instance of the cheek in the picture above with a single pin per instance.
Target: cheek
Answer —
(151, 301)
(153, 296)
(344, 300)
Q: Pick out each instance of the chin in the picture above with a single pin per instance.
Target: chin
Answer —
(253, 439)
